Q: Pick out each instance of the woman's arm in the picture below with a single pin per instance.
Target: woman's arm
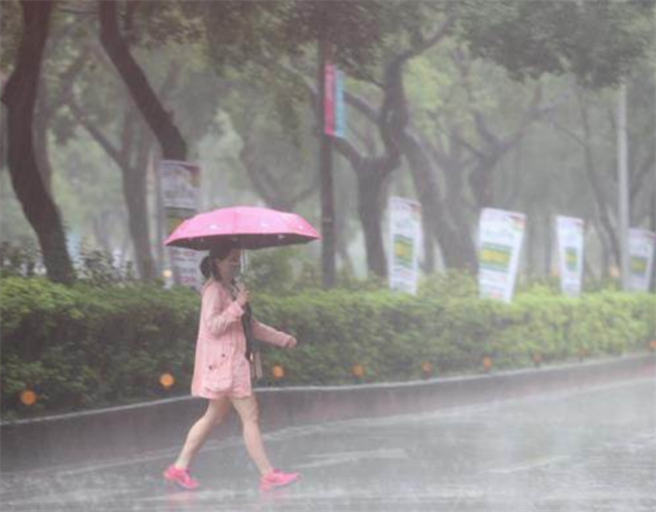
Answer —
(216, 316)
(263, 332)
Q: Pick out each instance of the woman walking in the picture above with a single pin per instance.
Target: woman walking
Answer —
(222, 372)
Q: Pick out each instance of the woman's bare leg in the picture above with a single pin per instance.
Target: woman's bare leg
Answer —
(248, 412)
(199, 432)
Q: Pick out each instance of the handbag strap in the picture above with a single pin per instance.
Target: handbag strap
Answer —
(247, 327)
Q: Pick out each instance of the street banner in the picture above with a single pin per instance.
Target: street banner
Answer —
(180, 196)
(569, 234)
(641, 253)
(333, 102)
(340, 117)
(499, 246)
(405, 237)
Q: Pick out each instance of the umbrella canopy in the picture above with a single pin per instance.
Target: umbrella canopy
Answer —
(247, 227)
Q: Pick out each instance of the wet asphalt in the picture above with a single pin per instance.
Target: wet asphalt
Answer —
(577, 451)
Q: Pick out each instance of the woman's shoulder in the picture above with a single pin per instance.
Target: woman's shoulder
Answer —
(213, 286)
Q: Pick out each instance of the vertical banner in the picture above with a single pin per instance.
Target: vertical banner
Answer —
(405, 234)
(333, 102)
(641, 252)
(180, 193)
(340, 118)
(569, 234)
(500, 241)
(329, 100)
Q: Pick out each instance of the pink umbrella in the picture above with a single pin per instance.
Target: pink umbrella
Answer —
(247, 227)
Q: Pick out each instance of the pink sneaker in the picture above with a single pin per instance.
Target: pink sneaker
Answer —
(276, 479)
(181, 478)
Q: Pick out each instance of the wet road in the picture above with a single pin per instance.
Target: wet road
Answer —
(592, 450)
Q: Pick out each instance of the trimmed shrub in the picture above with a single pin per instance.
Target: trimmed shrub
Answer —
(87, 346)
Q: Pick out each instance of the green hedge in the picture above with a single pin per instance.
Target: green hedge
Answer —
(84, 347)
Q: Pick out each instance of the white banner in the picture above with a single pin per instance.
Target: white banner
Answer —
(641, 251)
(569, 234)
(499, 246)
(180, 196)
(405, 235)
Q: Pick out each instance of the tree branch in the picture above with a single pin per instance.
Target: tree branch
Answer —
(98, 136)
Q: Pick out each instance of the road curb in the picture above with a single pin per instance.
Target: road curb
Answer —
(121, 433)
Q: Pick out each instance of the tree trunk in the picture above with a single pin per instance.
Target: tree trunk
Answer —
(20, 98)
(462, 249)
(132, 160)
(134, 191)
(158, 119)
(372, 185)
(41, 145)
(457, 249)
(480, 181)
(428, 266)
(160, 220)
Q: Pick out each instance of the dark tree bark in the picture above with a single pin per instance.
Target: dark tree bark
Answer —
(372, 174)
(456, 246)
(373, 181)
(48, 102)
(171, 142)
(41, 145)
(19, 96)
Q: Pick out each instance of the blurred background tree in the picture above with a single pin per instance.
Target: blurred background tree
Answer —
(460, 105)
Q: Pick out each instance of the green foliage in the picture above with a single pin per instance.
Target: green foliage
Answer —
(598, 42)
(92, 266)
(265, 32)
(19, 259)
(10, 32)
(87, 346)
(450, 284)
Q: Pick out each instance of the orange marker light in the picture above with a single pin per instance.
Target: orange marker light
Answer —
(28, 397)
(278, 372)
(166, 380)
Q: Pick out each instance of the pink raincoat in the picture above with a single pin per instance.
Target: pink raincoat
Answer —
(221, 368)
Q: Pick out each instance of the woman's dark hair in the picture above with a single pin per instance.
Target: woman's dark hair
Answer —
(207, 266)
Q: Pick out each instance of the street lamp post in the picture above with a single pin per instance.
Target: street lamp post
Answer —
(325, 52)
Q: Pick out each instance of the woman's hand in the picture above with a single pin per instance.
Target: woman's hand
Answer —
(291, 342)
(243, 295)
